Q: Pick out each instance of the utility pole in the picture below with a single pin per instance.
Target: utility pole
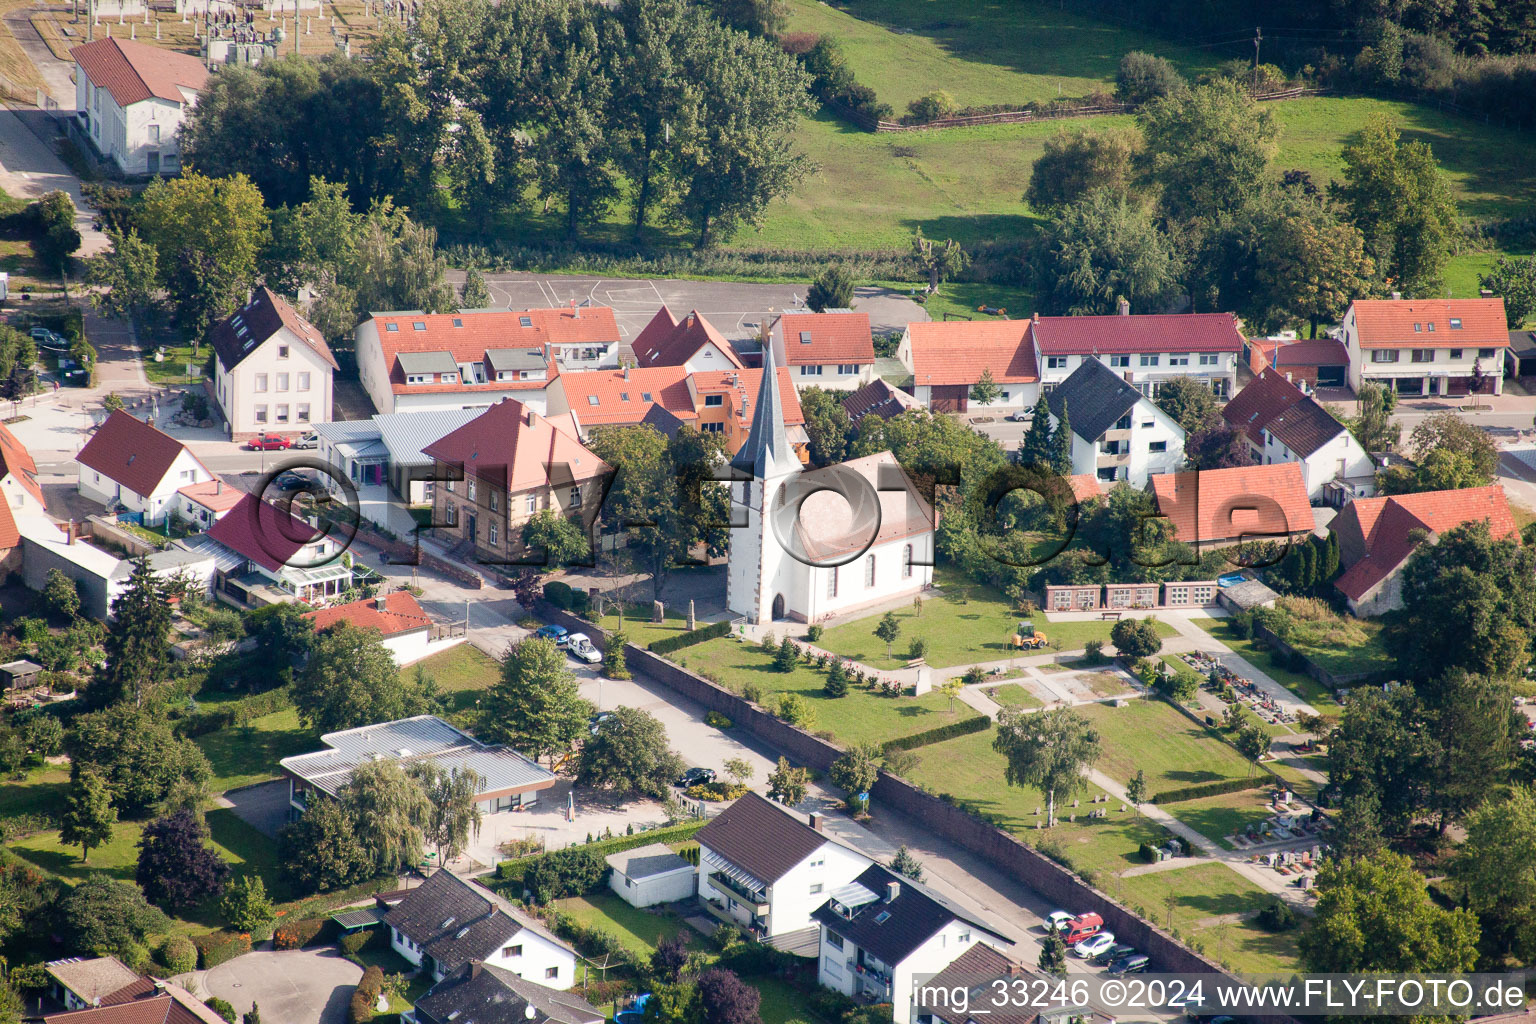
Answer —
(1258, 37)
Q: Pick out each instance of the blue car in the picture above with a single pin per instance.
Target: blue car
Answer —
(555, 633)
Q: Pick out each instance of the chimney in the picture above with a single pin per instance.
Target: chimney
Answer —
(892, 890)
(528, 413)
(69, 531)
(1124, 306)
(1397, 296)
(817, 820)
(626, 371)
(475, 967)
(381, 603)
(1288, 377)
(218, 485)
(1485, 293)
(1036, 318)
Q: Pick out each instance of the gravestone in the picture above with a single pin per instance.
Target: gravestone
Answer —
(693, 623)
(658, 612)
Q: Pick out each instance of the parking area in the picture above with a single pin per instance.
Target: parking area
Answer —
(296, 986)
(264, 806)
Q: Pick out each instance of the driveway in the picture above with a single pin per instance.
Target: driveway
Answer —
(263, 806)
(294, 986)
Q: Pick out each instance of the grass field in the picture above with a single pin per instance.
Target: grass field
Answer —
(639, 930)
(1150, 736)
(460, 672)
(1218, 816)
(40, 792)
(1012, 695)
(243, 755)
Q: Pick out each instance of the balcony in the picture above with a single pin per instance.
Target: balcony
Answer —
(756, 899)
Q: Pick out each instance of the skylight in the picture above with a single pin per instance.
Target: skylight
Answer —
(1455, 323)
(805, 337)
(645, 396)
(392, 327)
(446, 922)
(418, 325)
(525, 321)
(457, 322)
(591, 399)
(623, 396)
(882, 917)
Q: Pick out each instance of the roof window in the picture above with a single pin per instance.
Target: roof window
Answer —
(1431, 326)
(645, 396)
(805, 337)
(447, 921)
(525, 321)
(418, 325)
(882, 917)
(1455, 323)
(392, 327)
(458, 322)
(623, 396)
(1418, 328)
(591, 399)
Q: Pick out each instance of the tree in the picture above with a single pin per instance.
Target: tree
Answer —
(1035, 448)
(320, 851)
(1048, 750)
(1105, 247)
(61, 596)
(1253, 743)
(1136, 791)
(245, 905)
(832, 289)
(127, 275)
(1307, 266)
(1053, 955)
(138, 655)
(986, 390)
(1372, 424)
(888, 629)
(536, 705)
(105, 916)
(1497, 864)
(855, 772)
(88, 813)
(952, 688)
(1143, 77)
(1359, 827)
(1188, 400)
(1136, 638)
(175, 869)
(725, 999)
(1078, 161)
(760, 17)
(796, 710)
(1061, 443)
(1476, 725)
(1395, 193)
(453, 813)
(1447, 432)
(1207, 149)
(938, 261)
(1375, 915)
(351, 679)
(786, 656)
(562, 539)
(253, 1015)
(669, 958)
(474, 294)
(1218, 445)
(1381, 752)
(629, 754)
(906, 864)
(398, 267)
(57, 237)
(139, 756)
(390, 809)
(614, 665)
(788, 785)
(1514, 279)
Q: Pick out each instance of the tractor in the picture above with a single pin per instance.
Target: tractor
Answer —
(1028, 639)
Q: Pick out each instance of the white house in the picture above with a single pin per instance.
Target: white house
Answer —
(832, 349)
(483, 994)
(815, 544)
(132, 97)
(18, 476)
(80, 983)
(692, 343)
(1422, 347)
(267, 555)
(128, 462)
(1117, 432)
(882, 931)
(650, 875)
(204, 504)
(272, 368)
(100, 575)
(1283, 424)
(447, 921)
(949, 358)
(408, 633)
(764, 868)
(1145, 350)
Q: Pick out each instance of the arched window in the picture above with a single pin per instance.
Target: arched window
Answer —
(832, 582)
(906, 562)
(869, 571)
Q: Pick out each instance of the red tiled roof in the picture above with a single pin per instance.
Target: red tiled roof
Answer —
(1228, 503)
(1309, 352)
(214, 495)
(1085, 487)
(826, 525)
(1389, 323)
(133, 71)
(745, 384)
(17, 461)
(1385, 523)
(667, 386)
(511, 444)
(243, 331)
(263, 533)
(667, 341)
(401, 614)
(10, 535)
(1104, 335)
(820, 338)
(1265, 397)
(957, 351)
(131, 452)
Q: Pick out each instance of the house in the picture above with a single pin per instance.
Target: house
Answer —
(131, 98)
(1284, 425)
(834, 551)
(18, 476)
(127, 463)
(414, 361)
(649, 875)
(482, 994)
(1118, 433)
(79, 983)
(1421, 347)
(1219, 507)
(947, 359)
(508, 780)
(882, 931)
(974, 975)
(1316, 362)
(204, 504)
(878, 398)
(382, 457)
(101, 575)
(153, 1002)
(408, 632)
(266, 555)
(766, 869)
(511, 464)
(1376, 536)
(1145, 350)
(271, 368)
(1520, 358)
(832, 349)
(447, 922)
(692, 343)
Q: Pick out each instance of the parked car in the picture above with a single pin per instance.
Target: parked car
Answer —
(1055, 919)
(307, 441)
(1080, 928)
(43, 336)
(1094, 945)
(1116, 952)
(1020, 415)
(559, 634)
(1133, 964)
(268, 443)
(288, 480)
(580, 645)
(696, 777)
(595, 722)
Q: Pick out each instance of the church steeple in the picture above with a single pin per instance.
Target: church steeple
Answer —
(766, 451)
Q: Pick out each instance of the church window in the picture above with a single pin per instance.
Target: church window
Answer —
(906, 562)
(832, 582)
(781, 497)
(869, 571)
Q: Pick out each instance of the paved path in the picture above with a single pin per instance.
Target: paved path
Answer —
(29, 170)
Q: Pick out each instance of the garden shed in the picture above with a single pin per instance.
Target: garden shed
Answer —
(19, 675)
(649, 875)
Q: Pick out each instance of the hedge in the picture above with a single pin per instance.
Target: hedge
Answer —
(562, 596)
(981, 723)
(177, 954)
(668, 644)
(219, 947)
(235, 712)
(298, 934)
(366, 996)
(513, 869)
(1173, 796)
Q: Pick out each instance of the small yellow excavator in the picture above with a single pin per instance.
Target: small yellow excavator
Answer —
(1028, 638)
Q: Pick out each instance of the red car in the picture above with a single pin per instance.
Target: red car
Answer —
(269, 443)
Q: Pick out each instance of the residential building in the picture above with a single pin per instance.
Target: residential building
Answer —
(271, 369)
(79, 982)
(1283, 424)
(266, 555)
(883, 931)
(976, 973)
(131, 97)
(382, 458)
(408, 632)
(1421, 347)
(482, 994)
(201, 505)
(1520, 358)
(100, 575)
(832, 349)
(878, 398)
(692, 343)
(128, 464)
(1377, 535)
(18, 476)
(947, 359)
(508, 780)
(1144, 350)
(765, 869)
(726, 399)
(1315, 362)
(447, 922)
(413, 361)
(1217, 507)
(511, 464)
(1118, 433)
(649, 875)
(805, 551)
(160, 1002)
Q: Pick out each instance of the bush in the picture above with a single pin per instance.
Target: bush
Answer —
(220, 947)
(837, 680)
(516, 869)
(298, 934)
(222, 1008)
(717, 720)
(1148, 853)
(813, 633)
(571, 872)
(559, 594)
(1173, 796)
(353, 943)
(668, 644)
(366, 996)
(932, 107)
(1241, 625)
(1143, 77)
(981, 723)
(1093, 652)
(1136, 638)
(238, 712)
(177, 955)
(717, 791)
(1277, 917)
(919, 649)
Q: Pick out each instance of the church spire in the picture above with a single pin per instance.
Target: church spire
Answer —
(766, 451)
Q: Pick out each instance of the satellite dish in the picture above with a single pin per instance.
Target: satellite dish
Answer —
(529, 1011)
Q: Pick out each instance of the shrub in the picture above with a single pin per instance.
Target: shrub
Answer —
(516, 869)
(813, 633)
(932, 107)
(177, 954)
(1148, 853)
(786, 656)
(353, 943)
(1277, 917)
(1143, 77)
(752, 692)
(717, 791)
(570, 872)
(919, 649)
(1221, 786)
(298, 934)
(837, 680)
(366, 996)
(1241, 625)
(981, 723)
(221, 1007)
(219, 947)
(1093, 651)
(668, 644)
(559, 594)
(794, 709)
(717, 720)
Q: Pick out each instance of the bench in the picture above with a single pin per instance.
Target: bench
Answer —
(917, 663)
(1109, 615)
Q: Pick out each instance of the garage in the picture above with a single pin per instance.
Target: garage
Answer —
(649, 875)
(949, 397)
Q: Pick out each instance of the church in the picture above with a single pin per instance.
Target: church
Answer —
(809, 545)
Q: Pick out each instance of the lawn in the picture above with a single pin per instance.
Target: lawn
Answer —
(1012, 695)
(1217, 816)
(40, 792)
(640, 630)
(460, 672)
(173, 368)
(639, 930)
(857, 717)
(1303, 686)
(1151, 736)
(1300, 784)
(243, 755)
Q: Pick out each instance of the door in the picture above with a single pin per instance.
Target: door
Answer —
(469, 527)
(152, 164)
(778, 606)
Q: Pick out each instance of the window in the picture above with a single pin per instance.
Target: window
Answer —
(302, 415)
(1431, 327)
(1055, 362)
(418, 326)
(847, 368)
(869, 571)
(576, 496)
(282, 414)
(1418, 328)
(1157, 446)
(1455, 323)
(1180, 359)
(492, 536)
(815, 889)
(1423, 355)
(452, 485)
(469, 488)
(591, 399)
(623, 396)
(282, 382)
(1121, 361)
(451, 512)
(450, 378)
(457, 322)
(712, 428)
(965, 937)
(805, 337)
(261, 414)
(525, 321)
(553, 972)
(1209, 359)
(532, 504)
(304, 381)
(1485, 353)
(645, 396)
(261, 382)
(906, 562)
(1455, 353)
(1124, 422)
(512, 951)
(416, 378)
(392, 328)
(495, 502)
(282, 351)
(834, 940)
(832, 582)
(1384, 355)
(810, 371)
(1149, 360)
(711, 401)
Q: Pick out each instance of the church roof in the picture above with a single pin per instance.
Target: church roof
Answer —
(767, 446)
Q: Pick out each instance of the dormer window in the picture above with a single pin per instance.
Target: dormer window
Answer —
(1431, 327)
(1417, 328)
